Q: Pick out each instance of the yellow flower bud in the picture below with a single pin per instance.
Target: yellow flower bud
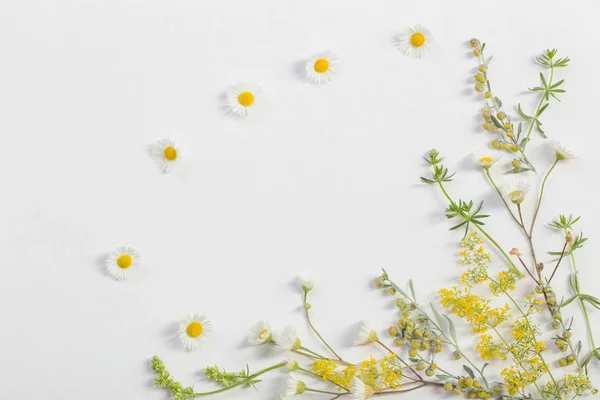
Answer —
(487, 95)
(562, 362)
(510, 134)
(399, 342)
(482, 68)
(412, 353)
(486, 126)
(476, 53)
(516, 163)
(420, 366)
(501, 115)
(495, 144)
(474, 43)
(514, 148)
(486, 115)
(505, 146)
(508, 126)
(469, 382)
(480, 78)
(392, 331)
(476, 384)
(478, 88)
(448, 387)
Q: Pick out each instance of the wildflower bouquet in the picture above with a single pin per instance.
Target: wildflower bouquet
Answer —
(529, 338)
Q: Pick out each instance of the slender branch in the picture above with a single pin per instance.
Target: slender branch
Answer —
(242, 382)
(539, 202)
(401, 360)
(562, 254)
(315, 329)
(527, 269)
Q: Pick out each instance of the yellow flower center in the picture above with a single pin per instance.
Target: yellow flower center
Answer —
(417, 39)
(321, 65)
(194, 329)
(170, 153)
(515, 194)
(124, 261)
(485, 160)
(246, 99)
(263, 334)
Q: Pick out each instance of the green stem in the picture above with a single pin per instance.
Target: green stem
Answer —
(324, 392)
(401, 391)
(313, 354)
(315, 329)
(539, 202)
(537, 110)
(248, 379)
(487, 235)
(489, 176)
(581, 302)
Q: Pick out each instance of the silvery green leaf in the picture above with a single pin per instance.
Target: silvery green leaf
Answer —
(412, 289)
(438, 318)
(451, 328)
(469, 371)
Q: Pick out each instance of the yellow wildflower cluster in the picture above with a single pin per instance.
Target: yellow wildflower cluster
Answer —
(327, 369)
(391, 371)
(506, 282)
(474, 309)
(368, 372)
(515, 380)
(488, 349)
(474, 253)
(568, 387)
(534, 303)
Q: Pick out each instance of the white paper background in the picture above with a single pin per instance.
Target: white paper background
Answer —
(323, 180)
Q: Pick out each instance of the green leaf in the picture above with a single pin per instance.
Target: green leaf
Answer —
(557, 84)
(426, 180)
(443, 377)
(451, 328)
(542, 110)
(469, 371)
(536, 89)
(412, 289)
(497, 123)
(498, 101)
(538, 128)
(521, 113)
(438, 318)
(518, 170)
(543, 80)
(566, 303)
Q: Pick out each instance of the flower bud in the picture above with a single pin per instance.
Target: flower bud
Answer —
(482, 68)
(495, 144)
(474, 43)
(486, 126)
(555, 325)
(457, 355)
(392, 331)
(478, 88)
(448, 387)
(487, 95)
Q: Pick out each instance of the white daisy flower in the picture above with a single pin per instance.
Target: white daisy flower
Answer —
(287, 340)
(307, 283)
(561, 152)
(321, 67)
(358, 390)
(243, 98)
(366, 334)
(292, 387)
(415, 42)
(484, 160)
(260, 333)
(516, 191)
(165, 154)
(291, 365)
(122, 262)
(194, 330)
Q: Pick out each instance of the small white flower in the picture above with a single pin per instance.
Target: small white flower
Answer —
(321, 67)
(415, 42)
(287, 340)
(307, 283)
(243, 98)
(194, 330)
(292, 365)
(260, 333)
(561, 152)
(516, 191)
(166, 155)
(360, 391)
(122, 262)
(484, 160)
(366, 334)
(292, 387)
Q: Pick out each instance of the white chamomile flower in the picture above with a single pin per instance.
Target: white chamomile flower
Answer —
(243, 98)
(415, 42)
(194, 330)
(260, 333)
(321, 67)
(484, 160)
(561, 152)
(292, 387)
(360, 391)
(516, 191)
(287, 340)
(165, 154)
(366, 334)
(291, 365)
(122, 262)
(307, 283)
